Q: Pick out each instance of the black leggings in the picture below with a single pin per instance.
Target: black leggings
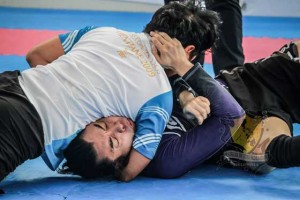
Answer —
(283, 152)
(21, 133)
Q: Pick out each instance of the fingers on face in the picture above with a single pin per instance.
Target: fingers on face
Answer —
(163, 42)
(165, 39)
(164, 36)
(161, 37)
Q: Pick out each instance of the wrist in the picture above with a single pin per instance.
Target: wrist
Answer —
(183, 68)
(184, 97)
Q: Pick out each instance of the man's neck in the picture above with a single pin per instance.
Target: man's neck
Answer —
(170, 72)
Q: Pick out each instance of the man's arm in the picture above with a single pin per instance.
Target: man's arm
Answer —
(170, 53)
(222, 104)
(194, 107)
(48, 51)
(150, 122)
(137, 162)
(45, 53)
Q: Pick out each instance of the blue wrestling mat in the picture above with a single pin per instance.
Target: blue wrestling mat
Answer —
(34, 181)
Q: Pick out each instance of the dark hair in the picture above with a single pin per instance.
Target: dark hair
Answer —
(81, 159)
(189, 23)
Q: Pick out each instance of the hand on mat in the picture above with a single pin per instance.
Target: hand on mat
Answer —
(194, 107)
(170, 53)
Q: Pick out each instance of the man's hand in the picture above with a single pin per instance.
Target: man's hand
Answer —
(170, 53)
(194, 107)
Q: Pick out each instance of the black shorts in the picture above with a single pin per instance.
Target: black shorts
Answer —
(21, 132)
(270, 86)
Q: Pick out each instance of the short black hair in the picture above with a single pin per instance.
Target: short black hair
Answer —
(188, 23)
(81, 159)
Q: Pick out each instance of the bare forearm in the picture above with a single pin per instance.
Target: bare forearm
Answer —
(34, 60)
(137, 162)
(45, 52)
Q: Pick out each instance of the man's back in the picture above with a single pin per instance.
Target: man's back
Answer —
(107, 72)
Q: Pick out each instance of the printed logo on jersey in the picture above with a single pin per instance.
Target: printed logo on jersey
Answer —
(174, 126)
(135, 46)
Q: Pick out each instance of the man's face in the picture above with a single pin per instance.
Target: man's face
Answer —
(111, 136)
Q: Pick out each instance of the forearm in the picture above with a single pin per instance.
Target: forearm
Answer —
(45, 53)
(34, 59)
(137, 162)
(221, 101)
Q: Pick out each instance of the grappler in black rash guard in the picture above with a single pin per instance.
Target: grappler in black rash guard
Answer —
(269, 91)
(185, 144)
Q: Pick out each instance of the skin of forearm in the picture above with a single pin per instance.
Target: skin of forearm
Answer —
(137, 162)
(184, 97)
(45, 52)
(34, 60)
(183, 68)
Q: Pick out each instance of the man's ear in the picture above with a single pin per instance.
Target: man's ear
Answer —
(189, 49)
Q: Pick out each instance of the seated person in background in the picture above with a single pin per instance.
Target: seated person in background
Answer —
(94, 73)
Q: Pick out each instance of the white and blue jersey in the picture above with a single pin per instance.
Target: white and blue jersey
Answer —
(104, 72)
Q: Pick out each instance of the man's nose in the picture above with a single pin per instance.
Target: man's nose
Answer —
(119, 128)
(122, 128)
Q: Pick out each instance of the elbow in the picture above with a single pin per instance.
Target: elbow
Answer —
(126, 178)
(123, 176)
(31, 57)
(34, 58)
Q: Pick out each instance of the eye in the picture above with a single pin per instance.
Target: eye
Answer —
(111, 144)
(98, 125)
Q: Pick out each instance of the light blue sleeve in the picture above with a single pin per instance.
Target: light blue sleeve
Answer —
(68, 40)
(53, 153)
(151, 122)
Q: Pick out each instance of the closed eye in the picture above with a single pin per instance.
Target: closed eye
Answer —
(98, 126)
(111, 144)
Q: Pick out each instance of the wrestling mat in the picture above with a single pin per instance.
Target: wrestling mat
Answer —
(20, 29)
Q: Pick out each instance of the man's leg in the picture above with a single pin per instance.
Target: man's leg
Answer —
(21, 131)
(253, 139)
(283, 151)
(228, 51)
(281, 72)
